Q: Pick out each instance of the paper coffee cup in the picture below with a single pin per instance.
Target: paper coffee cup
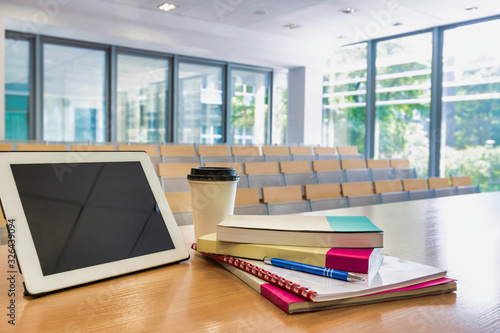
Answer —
(213, 191)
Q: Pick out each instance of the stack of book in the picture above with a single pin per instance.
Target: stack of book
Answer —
(345, 243)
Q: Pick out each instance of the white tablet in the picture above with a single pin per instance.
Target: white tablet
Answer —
(78, 217)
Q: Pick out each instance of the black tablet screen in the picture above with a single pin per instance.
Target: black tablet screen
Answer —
(87, 214)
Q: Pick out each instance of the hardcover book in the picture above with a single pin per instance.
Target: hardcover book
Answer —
(366, 260)
(316, 231)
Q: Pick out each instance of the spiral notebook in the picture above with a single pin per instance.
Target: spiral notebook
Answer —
(394, 273)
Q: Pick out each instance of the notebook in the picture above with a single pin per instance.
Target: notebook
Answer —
(394, 273)
(292, 304)
(78, 217)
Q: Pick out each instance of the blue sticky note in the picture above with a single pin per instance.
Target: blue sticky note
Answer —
(351, 224)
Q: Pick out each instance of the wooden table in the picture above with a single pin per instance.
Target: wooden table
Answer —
(460, 233)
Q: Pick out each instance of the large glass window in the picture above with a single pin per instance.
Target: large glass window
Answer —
(470, 133)
(280, 109)
(141, 98)
(200, 99)
(74, 89)
(17, 92)
(402, 115)
(344, 98)
(249, 107)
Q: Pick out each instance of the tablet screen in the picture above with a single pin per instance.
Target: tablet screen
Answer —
(90, 213)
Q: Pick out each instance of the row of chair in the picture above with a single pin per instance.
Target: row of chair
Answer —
(287, 173)
(176, 153)
(290, 199)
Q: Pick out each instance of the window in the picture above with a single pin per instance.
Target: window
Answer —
(141, 99)
(402, 114)
(74, 89)
(17, 92)
(470, 133)
(200, 100)
(280, 101)
(344, 98)
(249, 107)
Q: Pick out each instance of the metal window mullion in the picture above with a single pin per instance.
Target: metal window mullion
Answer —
(112, 86)
(436, 111)
(174, 100)
(226, 105)
(270, 108)
(370, 99)
(37, 72)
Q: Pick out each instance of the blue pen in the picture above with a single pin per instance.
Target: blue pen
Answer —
(328, 272)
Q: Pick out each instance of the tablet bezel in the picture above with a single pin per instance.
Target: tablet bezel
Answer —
(35, 282)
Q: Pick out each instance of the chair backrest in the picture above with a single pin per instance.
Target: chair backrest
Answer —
(245, 150)
(216, 150)
(295, 166)
(322, 191)
(175, 169)
(325, 165)
(348, 150)
(247, 197)
(301, 150)
(414, 184)
(5, 146)
(436, 182)
(261, 168)
(325, 151)
(179, 201)
(352, 164)
(377, 164)
(84, 148)
(356, 189)
(177, 150)
(387, 186)
(461, 181)
(151, 150)
(40, 147)
(275, 150)
(235, 165)
(399, 163)
(276, 194)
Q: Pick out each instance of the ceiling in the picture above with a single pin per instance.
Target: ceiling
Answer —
(245, 31)
(323, 19)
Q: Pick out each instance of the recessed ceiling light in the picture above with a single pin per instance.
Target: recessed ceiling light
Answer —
(291, 26)
(167, 7)
(472, 8)
(348, 10)
(397, 24)
(260, 12)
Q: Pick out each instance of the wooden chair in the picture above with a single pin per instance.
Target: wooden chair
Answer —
(276, 194)
(275, 150)
(85, 148)
(325, 151)
(357, 189)
(377, 164)
(215, 150)
(352, 164)
(175, 169)
(325, 165)
(348, 150)
(417, 189)
(247, 197)
(302, 153)
(399, 163)
(461, 181)
(151, 150)
(245, 151)
(322, 191)
(295, 166)
(261, 168)
(387, 186)
(177, 150)
(6, 147)
(40, 147)
(179, 201)
(436, 182)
